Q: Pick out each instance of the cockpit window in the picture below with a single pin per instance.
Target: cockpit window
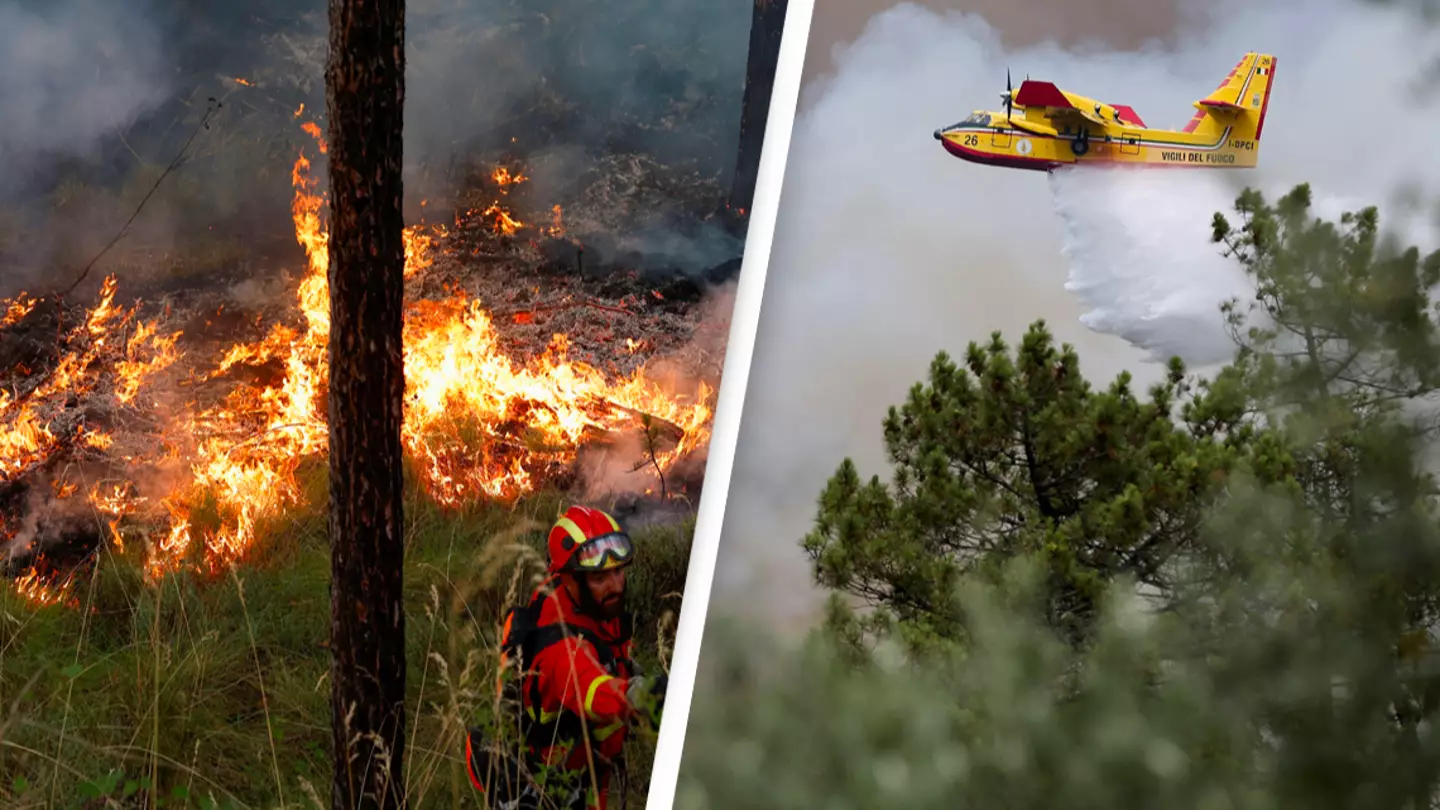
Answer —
(979, 118)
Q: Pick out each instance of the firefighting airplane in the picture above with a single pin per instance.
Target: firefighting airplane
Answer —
(1045, 128)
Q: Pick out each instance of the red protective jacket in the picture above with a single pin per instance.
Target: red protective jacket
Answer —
(569, 680)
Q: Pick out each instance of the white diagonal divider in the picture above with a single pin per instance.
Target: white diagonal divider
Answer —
(784, 97)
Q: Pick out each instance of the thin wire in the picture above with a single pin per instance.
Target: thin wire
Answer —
(204, 124)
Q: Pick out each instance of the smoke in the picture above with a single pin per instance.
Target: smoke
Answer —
(46, 518)
(72, 72)
(628, 106)
(888, 250)
(672, 69)
(1118, 23)
(95, 97)
(625, 470)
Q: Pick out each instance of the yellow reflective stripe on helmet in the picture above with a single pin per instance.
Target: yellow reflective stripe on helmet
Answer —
(603, 734)
(590, 693)
(573, 530)
(613, 525)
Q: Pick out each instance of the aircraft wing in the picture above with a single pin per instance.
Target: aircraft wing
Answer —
(1128, 115)
(1032, 126)
(1045, 94)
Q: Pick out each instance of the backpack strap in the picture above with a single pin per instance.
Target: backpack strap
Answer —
(544, 637)
(528, 639)
(627, 627)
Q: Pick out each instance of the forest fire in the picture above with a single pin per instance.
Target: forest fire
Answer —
(198, 481)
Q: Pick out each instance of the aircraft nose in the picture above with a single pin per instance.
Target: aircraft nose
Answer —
(939, 134)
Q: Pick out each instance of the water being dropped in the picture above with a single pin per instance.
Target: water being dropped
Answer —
(1137, 245)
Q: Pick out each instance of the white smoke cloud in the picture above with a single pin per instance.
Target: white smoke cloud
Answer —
(887, 249)
(71, 73)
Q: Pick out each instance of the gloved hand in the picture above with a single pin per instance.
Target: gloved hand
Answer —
(646, 696)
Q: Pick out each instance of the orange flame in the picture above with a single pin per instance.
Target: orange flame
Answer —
(504, 222)
(476, 423)
(505, 179)
(43, 590)
(17, 310)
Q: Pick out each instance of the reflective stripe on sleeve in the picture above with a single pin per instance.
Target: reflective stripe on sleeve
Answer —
(590, 693)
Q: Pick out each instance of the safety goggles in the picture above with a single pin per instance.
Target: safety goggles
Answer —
(605, 551)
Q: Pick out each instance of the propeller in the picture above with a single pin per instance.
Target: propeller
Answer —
(1009, 94)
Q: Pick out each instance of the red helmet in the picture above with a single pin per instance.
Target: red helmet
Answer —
(586, 539)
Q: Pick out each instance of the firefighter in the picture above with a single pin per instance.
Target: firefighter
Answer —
(578, 688)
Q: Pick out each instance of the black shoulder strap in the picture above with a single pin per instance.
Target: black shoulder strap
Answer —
(551, 634)
(528, 637)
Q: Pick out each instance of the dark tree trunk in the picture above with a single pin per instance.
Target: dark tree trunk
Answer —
(365, 91)
(766, 24)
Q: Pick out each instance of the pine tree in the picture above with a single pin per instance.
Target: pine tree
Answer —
(1340, 349)
(1017, 455)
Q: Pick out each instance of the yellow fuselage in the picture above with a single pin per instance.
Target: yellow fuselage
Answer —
(1002, 144)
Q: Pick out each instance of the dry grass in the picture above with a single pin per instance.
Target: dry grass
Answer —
(215, 693)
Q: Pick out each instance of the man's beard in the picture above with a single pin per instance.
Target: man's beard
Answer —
(614, 607)
(604, 611)
(610, 609)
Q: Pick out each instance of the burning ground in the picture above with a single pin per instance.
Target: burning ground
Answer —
(180, 424)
